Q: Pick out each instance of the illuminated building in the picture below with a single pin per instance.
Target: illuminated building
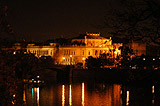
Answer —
(39, 51)
(138, 48)
(83, 46)
(91, 44)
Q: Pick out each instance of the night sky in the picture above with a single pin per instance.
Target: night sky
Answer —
(41, 20)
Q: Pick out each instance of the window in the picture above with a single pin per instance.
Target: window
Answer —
(96, 52)
(51, 52)
(89, 53)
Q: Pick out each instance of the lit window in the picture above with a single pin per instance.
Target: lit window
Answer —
(96, 52)
(89, 53)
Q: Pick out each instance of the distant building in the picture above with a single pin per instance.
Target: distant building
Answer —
(41, 50)
(83, 46)
(138, 48)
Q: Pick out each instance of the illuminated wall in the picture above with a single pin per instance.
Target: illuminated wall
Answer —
(73, 54)
(138, 48)
(41, 50)
(94, 46)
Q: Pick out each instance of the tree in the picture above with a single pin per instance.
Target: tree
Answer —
(135, 20)
(4, 25)
(93, 63)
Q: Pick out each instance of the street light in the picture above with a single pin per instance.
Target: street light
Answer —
(63, 60)
(70, 59)
(83, 59)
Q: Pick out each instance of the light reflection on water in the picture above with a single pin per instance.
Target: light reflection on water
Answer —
(83, 94)
(78, 94)
(89, 94)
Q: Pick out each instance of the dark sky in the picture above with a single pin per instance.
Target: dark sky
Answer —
(49, 19)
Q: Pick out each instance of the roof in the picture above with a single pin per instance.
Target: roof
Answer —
(89, 37)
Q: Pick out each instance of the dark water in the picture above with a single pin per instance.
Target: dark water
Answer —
(92, 94)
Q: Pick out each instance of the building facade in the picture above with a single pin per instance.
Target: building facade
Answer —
(39, 51)
(83, 46)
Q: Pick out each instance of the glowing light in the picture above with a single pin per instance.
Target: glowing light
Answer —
(83, 58)
(24, 95)
(32, 95)
(121, 92)
(70, 95)
(63, 95)
(154, 59)
(63, 58)
(14, 95)
(70, 55)
(127, 101)
(13, 103)
(83, 94)
(38, 96)
(14, 52)
(153, 89)
(37, 76)
(144, 58)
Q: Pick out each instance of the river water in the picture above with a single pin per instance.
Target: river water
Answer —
(92, 93)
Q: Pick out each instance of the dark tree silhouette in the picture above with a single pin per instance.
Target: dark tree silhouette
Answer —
(4, 25)
(135, 20)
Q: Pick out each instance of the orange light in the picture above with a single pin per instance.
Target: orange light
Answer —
(127, 101)
(63, 58)
(153, 89)
(70, 95)
(83, 58)
(63, 95)
(83, 94)
(14, 52)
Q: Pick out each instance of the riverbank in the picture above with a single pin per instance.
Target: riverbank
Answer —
(108, 75)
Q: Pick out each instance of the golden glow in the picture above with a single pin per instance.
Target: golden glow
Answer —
(83, 58)
(24, 95)
(38, 96)
(83, 94)
(127, 101)
(14, 95)
(153, 94)
(121, 92)
(14, 52)
(63, 95)
(13, 103)
(153, 89)
(63, 58)
(70, 55)
(70, 95)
